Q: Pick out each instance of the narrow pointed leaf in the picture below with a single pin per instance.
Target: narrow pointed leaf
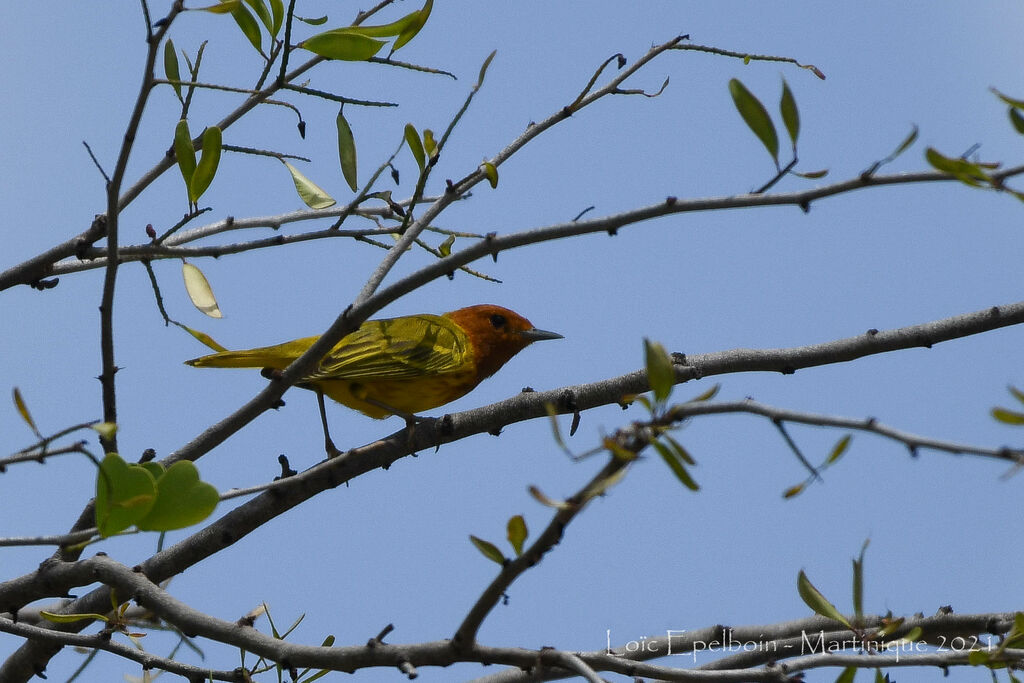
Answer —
(790, 114)
(517, 533)
(794, 490)
(250, 29)
(263, 12)
(204, 338)
(488, 550)
(445, 248)
(839, 449)
(599, 487)
(813, 598)
(676, 465)
(346, 44)
(71, 618)
(311, 194)
(965, 171)
(347, 152)
(678, 450)
(206, 169)
(707, 395)
(1017, 393)
(199, 291)
(224, 7)
(858, 583)
(847, 675)
(412, 139)
(417, 21)
(1012, 101)
(907, 142)
(317, 21)
(755, 116)
(660, 373)
(277, 16)
(1009, 417)
(395, 28)
(543, 499)
(185, 152)
(171, 71)
(19, 403)
(181, 499)
(483, 68)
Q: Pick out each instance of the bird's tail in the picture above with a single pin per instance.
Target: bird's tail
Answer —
(248, 358)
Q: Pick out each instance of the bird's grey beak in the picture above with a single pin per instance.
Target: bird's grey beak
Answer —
(538, 335)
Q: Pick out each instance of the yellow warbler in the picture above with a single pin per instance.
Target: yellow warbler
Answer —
(402, 365)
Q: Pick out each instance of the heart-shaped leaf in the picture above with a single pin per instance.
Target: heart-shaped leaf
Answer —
(181, 499)
(124, 495)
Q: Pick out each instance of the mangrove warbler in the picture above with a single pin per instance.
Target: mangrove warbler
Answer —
(402, 365)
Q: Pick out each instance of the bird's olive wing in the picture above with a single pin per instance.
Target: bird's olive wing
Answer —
(398, 348)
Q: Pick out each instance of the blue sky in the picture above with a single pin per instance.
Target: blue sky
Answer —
(650, 556)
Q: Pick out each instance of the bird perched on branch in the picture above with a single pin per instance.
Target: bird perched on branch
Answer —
(401, 366)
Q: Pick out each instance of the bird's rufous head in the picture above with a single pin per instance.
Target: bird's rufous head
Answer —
(497, 334)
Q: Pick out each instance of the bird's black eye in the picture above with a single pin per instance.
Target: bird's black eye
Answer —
(498, 321)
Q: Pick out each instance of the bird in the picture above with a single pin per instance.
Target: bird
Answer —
(401, 366)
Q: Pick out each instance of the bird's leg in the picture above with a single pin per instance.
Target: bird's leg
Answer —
(332, 450)
(411, 420)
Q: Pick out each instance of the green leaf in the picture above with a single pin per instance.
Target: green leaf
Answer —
(1009, 417)
(489, 550)
(413, 27)
(310, 193)
(839, 449)
(756, 117)
(660, 373)
(185, 152)
(347, 152)
(181, 499)
(206, 169)
(965, 171)
(445, 248)
(318, 21)
(490, 172)
(978, 657)
(907, 142)
(277, 14)
(812, 175)
(1017, 393)
(410, 22)
(154, 468)
(71, 618)
(483, 69)
(707, 395)
(171, 71)
(847, 675)
(346, 44)
(263, 12)
(858, 581)
(412, 138)
(224, 7)
(1013, 102)
(429, 144)
(794, 490)
(250, 29)
(517, 533)
(678, 450)
(1017, 119)
(124, 494)
(879, 678)
(204, 338)
(813, 598)
(19, 404)
(199, 291)
(106, 430)
(543, 499)
(676, 465)
(790, 114)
